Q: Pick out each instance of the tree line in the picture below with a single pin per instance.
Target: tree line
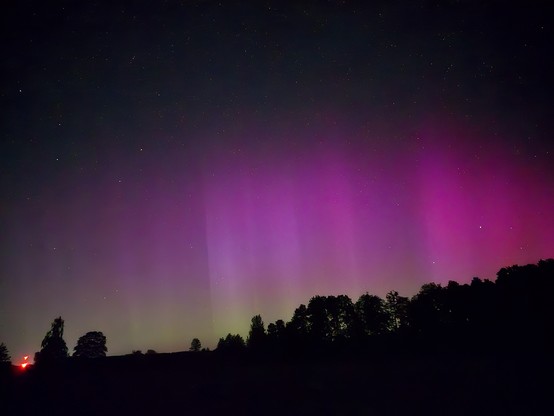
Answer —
(512, 312)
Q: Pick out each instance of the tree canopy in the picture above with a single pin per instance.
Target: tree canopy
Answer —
(257, 335)
(53, 345)
(91, 345)
(4, 354)
(195, 345)
(513, 311)
(231, 344)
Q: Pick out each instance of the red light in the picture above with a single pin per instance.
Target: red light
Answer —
(24, 364)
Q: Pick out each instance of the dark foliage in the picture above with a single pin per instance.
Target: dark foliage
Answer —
(512, 312)
(4, 354)
(276, 334)
(195, 345)
(480, 348)
(91, 345)
(54, 348)
(231, 344)
(372, 315)
(257, 336)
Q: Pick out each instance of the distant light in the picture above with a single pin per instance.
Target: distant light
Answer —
(25, 363)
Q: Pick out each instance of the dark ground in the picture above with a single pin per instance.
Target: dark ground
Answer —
(210, 384)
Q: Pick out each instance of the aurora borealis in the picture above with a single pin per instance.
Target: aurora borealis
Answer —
(168, 171)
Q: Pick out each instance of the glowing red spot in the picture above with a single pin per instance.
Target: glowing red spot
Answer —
(24, 364)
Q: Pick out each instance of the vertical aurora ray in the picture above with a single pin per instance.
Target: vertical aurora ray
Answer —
(285, 227)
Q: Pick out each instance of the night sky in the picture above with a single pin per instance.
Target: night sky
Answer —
(169, 169)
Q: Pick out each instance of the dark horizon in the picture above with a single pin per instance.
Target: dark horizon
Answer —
(455, 317)
(480, 349)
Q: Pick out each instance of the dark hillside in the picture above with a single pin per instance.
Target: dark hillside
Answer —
(390, 384)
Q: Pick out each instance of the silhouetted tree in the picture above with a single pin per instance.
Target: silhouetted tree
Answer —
(136, 352)
(457, 309)
(341, 315)
(272, 332)
(277, 335)
(151, 352)
(427, 310)
(523, 303)
(276, 331)
(397, 308)
(257, 335)
(53, 345)
(231, 344)
(482, 309)
(195, 345)
(372, 314)
(4, 354)
(515, 310)
(330, 318)
(91, 345)
(544, 287)
(319, 327)
(297, 327)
